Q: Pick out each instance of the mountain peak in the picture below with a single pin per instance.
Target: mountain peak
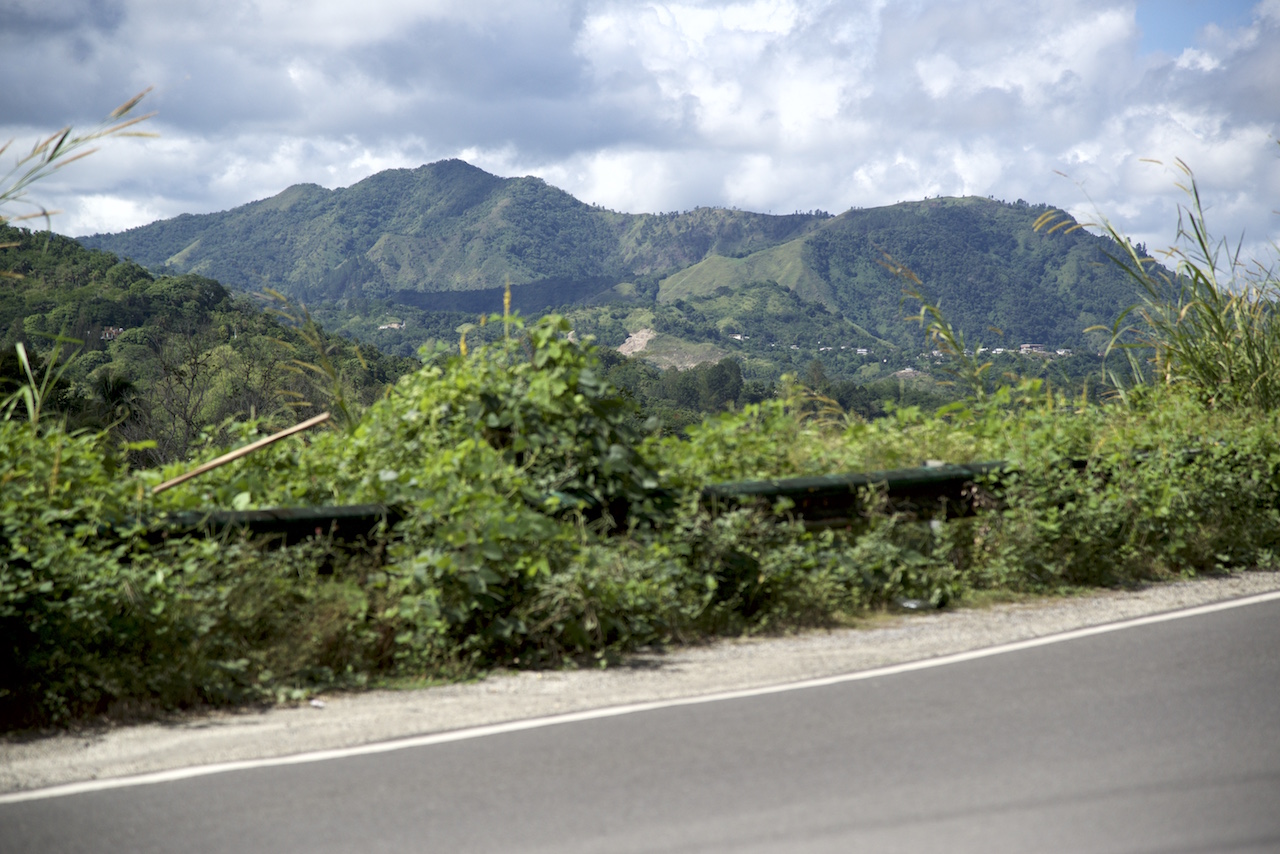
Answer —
(418, 235)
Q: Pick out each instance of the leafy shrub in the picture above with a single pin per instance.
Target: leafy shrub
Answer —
(539, 527)
(77, 612)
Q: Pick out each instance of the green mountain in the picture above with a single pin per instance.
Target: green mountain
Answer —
(981, 260)
(165, 359)
(444, 227)
(447, 236)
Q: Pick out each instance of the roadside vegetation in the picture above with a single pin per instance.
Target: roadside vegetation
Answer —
(541, 522)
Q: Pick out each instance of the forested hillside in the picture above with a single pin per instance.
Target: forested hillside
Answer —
(997, 277)
(982, 261)
(444, 227)
(448, 236)
(164, 359)
(174, 359)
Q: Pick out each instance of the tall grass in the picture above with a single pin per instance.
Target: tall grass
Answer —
(325, 375)
(35, 392)
(60, 149)
(1212, 323)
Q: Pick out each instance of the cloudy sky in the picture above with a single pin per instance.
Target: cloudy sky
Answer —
(767, 105)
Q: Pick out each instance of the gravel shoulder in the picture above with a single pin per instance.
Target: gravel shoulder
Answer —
(351, 719)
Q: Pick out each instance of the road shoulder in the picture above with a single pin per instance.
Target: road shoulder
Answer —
(354, 719)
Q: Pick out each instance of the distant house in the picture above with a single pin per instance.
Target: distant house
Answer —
(1031, 348)
(863, 351)
(906, 373)
(395, 324)
(1064, 352)
(111, 333)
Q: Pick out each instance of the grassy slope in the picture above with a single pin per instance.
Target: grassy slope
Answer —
(782, 264)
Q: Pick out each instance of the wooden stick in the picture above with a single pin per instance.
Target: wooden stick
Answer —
(242, 452)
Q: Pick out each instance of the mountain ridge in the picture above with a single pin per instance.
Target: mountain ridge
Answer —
(450, 228)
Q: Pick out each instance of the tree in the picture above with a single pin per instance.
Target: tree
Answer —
(722, 383)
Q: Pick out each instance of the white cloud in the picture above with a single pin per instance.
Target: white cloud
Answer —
(98, 213)
(619, 179)
(764, 104)
(738, 76)
(1196, 60)
(978, 167)
(315, 24)
(938, 74)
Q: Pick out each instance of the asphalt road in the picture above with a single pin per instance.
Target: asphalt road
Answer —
(1160, 737)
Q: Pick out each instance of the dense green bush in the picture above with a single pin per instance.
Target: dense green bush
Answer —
(75, 608)
(539, 527)
(99, 615)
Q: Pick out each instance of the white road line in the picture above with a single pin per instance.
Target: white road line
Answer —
(615, 711)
